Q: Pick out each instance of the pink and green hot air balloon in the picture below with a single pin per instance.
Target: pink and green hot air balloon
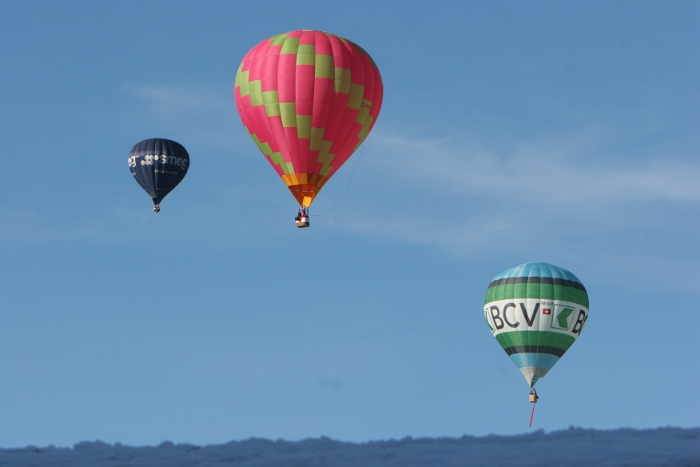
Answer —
(308, 100)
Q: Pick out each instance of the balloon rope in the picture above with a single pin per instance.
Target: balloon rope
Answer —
(359, 156)
(533, 413)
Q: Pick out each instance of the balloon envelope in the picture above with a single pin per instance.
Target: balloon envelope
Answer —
(536, 311)
(308, 99)
(159, 165)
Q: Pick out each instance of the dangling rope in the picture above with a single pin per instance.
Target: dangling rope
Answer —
(532, 415)
(359, 156)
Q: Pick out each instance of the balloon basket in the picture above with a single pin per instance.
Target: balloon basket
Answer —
(302, 219)
(533, 396)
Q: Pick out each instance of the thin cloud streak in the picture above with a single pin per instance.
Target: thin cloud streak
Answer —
(463, 237)
(556, 198)
(514, 235)
(549, 171)
(572, 168)
(484, 198)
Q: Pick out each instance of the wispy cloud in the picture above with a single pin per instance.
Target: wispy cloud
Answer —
(560, 197)
(572, 169)
(459, 235)
(570, 194)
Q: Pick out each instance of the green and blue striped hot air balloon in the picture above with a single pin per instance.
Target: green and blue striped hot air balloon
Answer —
(536, 311)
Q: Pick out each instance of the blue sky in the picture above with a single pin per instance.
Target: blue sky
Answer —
(510, 132)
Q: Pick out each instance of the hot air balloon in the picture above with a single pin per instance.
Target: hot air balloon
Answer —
(159, 165)
(308, 99)
(536, 311)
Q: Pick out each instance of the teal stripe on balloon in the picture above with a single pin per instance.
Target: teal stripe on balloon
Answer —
(535, 360)
(538, 270)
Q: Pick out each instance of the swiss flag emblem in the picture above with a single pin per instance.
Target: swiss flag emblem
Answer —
(546, 311)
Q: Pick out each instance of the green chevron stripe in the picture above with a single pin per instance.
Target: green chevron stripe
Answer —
(255, 91)
(306, 54)
(289, 114)
(276, 157)
(242, 80)
(342, 82)
(356, 92)
(272, 103)
(324, 66)
(279, 39)
(303, 126)
(290, 46)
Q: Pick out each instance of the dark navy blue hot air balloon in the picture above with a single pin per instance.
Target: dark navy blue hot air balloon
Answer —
(158, 165)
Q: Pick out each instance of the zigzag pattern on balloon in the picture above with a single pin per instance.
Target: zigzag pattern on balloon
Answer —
(308, 99)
